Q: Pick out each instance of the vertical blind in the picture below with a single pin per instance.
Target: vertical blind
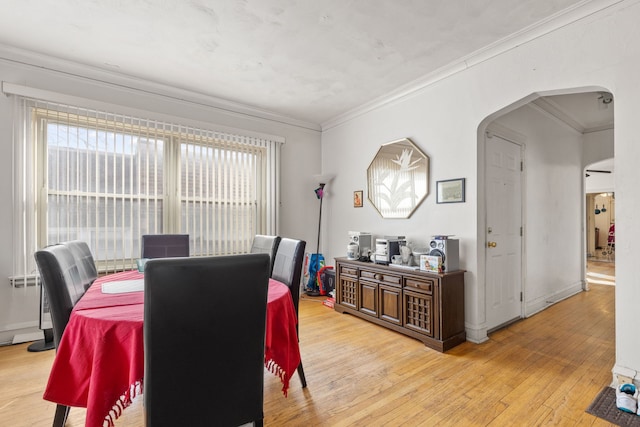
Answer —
(109, 178)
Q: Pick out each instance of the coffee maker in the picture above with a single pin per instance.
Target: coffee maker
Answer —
(360, 244)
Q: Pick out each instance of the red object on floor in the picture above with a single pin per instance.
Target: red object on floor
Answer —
(323, 291)
(329, 302)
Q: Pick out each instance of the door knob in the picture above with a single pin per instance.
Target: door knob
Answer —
(491, 244)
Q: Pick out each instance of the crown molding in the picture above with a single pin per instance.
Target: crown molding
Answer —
(577, 12)
(556, 112)
(599, 128)
(504, 132)
(116, 79)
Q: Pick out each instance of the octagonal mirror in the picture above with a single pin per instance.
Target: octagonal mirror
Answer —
(398, 179)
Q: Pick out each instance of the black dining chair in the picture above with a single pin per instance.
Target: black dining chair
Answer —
(88, 273)
(263, 244)
(84, 261)
(221, 302)
(165, 245)
(287, 268)
(64, 285)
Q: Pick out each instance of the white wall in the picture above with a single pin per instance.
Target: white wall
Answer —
(601, 51)
(598, 146)
(300, 155)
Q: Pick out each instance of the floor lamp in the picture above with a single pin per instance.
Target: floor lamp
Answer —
(320, 193)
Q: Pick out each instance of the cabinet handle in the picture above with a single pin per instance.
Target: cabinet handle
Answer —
(378, 276)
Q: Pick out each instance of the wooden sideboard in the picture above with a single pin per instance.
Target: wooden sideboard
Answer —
(422, 305)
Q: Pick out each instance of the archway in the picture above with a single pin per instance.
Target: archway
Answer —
(560, 132)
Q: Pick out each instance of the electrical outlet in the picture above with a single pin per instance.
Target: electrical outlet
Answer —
(623, 379)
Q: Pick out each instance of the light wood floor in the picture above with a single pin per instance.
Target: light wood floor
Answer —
(542, 370)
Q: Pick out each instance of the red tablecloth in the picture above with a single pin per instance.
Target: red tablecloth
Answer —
(99, 364)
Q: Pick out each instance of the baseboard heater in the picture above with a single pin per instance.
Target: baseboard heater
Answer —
(22, 281)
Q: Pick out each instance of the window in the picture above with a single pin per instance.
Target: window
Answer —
(108, 179)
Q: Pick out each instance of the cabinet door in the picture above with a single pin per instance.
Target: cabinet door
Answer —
(369, 298)
(347, 294)
(391, 304)
(418, 312)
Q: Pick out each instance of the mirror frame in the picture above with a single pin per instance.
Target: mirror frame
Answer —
(397, 181)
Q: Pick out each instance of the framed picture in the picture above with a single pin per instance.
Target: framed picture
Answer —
(357, 199)
(450, 191)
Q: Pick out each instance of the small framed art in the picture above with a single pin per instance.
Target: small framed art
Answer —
(450, 191)
(357, 199)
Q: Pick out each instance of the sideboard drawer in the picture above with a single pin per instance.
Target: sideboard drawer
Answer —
(420, 285)
(348, 270)
(381, 277)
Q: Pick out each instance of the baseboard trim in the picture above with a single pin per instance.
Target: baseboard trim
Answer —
(536, 306)
(622, 374)
(477, 335)
(27, 337)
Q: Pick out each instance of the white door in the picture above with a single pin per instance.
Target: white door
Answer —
(503, 244)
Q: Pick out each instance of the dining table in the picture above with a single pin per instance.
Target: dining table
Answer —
(99, 363)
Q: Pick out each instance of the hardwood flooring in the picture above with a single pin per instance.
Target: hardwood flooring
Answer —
(542, 370)
(601, 271)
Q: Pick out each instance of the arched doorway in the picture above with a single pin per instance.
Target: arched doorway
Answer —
(560, 134)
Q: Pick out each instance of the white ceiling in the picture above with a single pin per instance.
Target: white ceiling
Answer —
(584, 112)
(306, 60)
